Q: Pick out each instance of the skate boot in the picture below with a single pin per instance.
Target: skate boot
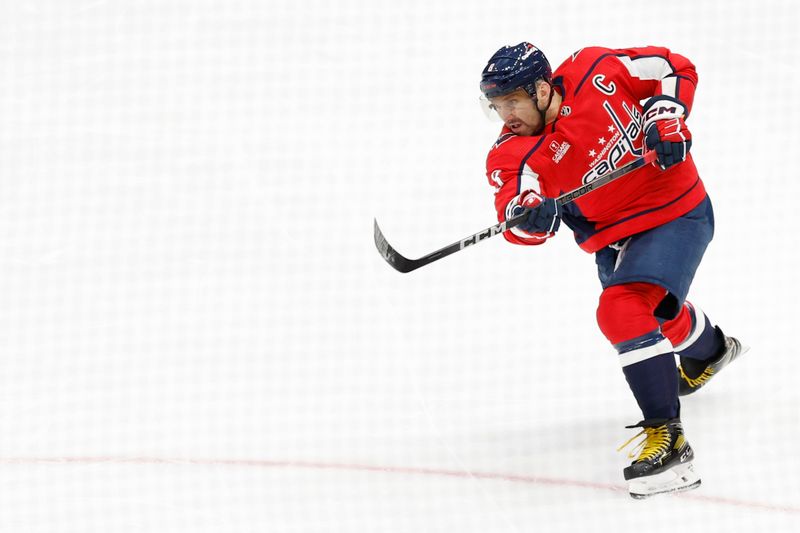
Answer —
(689, 382)
(665, 459)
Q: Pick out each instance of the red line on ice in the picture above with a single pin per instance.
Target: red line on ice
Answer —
(437, 472)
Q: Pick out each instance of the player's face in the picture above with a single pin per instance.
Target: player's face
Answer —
(518, 111)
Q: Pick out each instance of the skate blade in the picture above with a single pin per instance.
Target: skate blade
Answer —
(680, 478)
(745, 348)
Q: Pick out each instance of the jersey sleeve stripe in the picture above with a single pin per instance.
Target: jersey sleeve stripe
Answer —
(679, 80)
(669, 86)
(524, 164)
(647, 67)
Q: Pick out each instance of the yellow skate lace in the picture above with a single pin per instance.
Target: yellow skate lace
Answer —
(699, 380)
(656, 441)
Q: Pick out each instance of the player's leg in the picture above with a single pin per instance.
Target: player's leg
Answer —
(626, 316)
(645, 281)
(703, 349)
(668, 256)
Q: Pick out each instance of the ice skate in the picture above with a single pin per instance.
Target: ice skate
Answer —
(688, 385)
(664, 463)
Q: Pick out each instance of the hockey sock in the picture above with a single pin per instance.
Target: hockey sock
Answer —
(626, 317)
(701, 345)
(657, 397)
(679, 328)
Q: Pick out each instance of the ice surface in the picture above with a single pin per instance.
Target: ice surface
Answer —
(197, 333)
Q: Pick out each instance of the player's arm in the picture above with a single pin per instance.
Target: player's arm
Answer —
(665, 82)
(516, 192)
(657, 72)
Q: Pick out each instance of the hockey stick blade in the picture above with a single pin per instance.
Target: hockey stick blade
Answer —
(405, 265)
(397, 261)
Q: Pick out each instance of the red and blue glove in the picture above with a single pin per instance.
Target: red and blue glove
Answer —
(544, 214)
(665, 132)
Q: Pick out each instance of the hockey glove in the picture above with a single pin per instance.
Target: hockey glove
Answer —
(544, 214)
(665, 131)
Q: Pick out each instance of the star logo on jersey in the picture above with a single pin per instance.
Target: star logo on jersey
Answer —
(611, 128)
(592, 153)
(601, 140)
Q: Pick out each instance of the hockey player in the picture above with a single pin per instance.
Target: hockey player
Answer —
(599, 110)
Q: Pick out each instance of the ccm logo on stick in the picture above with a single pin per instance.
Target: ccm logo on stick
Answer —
(490, 232)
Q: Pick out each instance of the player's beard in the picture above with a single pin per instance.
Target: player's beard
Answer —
(526, 128)
(536, 129)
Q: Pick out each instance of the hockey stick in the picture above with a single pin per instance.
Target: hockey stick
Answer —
(404, 264)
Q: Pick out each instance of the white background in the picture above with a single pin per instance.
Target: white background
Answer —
(197, 333)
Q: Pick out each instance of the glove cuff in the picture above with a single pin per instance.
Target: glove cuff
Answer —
(662, 107)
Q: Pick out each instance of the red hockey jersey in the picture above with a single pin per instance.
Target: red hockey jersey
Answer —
(597, 130)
